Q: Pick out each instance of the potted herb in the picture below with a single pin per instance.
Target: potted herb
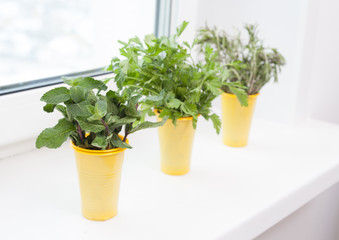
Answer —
(251, 65)
(173, 85)
(93, 121)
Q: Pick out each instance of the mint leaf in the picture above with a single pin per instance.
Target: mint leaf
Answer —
(55, 136)
(100, 141)
(49, 108)
(100, 110)
(116, 141)
(94, 126)
(77, 93)
(147, 124)
(91, 83)
(56, 95)
(79, 109)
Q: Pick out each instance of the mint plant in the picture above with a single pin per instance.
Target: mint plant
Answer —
(164, 72)
(250, 63)
(90, 119)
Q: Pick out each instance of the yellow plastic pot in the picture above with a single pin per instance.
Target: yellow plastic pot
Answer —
(176, 146)
(236, 120)
(99, 178)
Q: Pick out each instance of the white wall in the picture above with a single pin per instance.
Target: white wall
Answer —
(323, 96)
(317, 220)
(304, 31)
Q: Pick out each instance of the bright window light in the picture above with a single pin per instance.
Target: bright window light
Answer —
(44, 38)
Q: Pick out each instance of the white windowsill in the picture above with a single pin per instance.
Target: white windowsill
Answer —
(230, 193)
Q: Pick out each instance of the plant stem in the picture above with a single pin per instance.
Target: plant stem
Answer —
(80, 132)
(125, 137)
(106, 127)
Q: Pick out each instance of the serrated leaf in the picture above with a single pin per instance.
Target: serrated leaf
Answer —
(91, 83)
(181, 28)
(91, 97)
(112, 108)
(94, 126)
(115, 122)
(174, 103)
(117, 142)
(77, 93)
(56, 95)
(216, 122)
(49, 108)
(100, 110)
(131, 110)
(100, 141)
(214, 86)
(241, 95)
(149, 40)
(189, 109)
(54, 137)
(148, 124)
(79, 109)
(70, 81)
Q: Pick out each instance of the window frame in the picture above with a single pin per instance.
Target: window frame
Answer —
(162, 27)
(22, 115)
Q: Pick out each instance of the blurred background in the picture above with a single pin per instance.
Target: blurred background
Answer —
(46, 38)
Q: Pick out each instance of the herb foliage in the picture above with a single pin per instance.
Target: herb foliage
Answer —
(90, 119)
(250, 63)
(164, 72)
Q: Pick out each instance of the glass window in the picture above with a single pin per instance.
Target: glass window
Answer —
(44, 38)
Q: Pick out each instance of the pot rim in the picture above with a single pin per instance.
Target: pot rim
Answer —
(232, 95)
(98, 152)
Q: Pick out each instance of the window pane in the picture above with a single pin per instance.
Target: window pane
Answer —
(44, 38)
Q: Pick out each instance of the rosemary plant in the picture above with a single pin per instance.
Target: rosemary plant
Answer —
(249, 62)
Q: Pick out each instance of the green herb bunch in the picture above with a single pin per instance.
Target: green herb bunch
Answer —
(90, 119)
(164, 72)
(249, 62)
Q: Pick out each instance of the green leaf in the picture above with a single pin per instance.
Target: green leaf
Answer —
(79, 109)
(117, 142)
(216, 122)
(189, 109)
(78, 93)
(174, 103)
(148, 124)
(94, 126)
(49, 108)
(149, 40)
(112, 108)
(56, 95)
(70, 81)
(91, 97)
(131, 110)
(181, 28)
(54, 137)
(241, 95)
(123, 121)
(214, 86)
(100, 141)
(91, 83)
(100, 110)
